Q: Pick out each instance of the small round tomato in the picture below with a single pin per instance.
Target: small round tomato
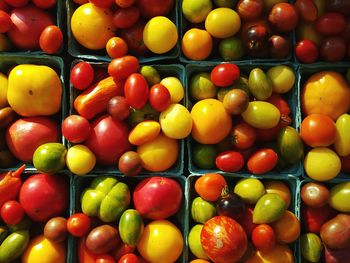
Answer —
(224, 75)
(229, 161)
(197, 44)
(82, 75)
(102, 3)
(12, 212)
(78, 224)
(118, 108)
(44, 4)
(306, 9)
(262, 161)
(318, 130)
(263, 237)
(122, 68)
(116, 47)
(209, 186)
(126, 17)
(159, 97)
(76, 128)
(5, 22)
(244, 136)
(124, 3)
(17, 3)
(136, 91)
(306, 51)
(122, 250)
(105, 258)
(129, 258)
(51, 39)
(330, 24)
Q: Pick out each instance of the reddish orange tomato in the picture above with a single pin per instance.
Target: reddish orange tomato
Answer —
(318, 130)
(51, 39)
(126, 17)
(122, 68)
(262, 161)
(209, 186)
(287, 228)
(263, 237)
(105, 258)
(116, 47)
(244, 136)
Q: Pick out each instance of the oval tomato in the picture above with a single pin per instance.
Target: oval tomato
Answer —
(318, 130)
(44, 4)
(122, 68)
(230, 161)
(136, 91)
(262, 161)
(82, 75)
(78, 224)
(51, 39)
(244, 136)
(159, 97)
(5, 22)
(129, 258)
(209, 186)
(263, 237)
(12, 212)
(224, 75)
(126, 17)
(330, 24)
(223, 240)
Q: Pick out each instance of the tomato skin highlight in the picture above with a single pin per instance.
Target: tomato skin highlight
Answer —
(78, 224)
(306, 51)
(262, 161)
(230, 161)
(224, 75)
(136, 91)
(12, 212)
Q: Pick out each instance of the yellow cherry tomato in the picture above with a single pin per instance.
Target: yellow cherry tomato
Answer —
(342, 138)
(282, 78)
(176, 121)
(143, 132)
(174, 87)
(261, 115)
(80, 159)
(222, 22)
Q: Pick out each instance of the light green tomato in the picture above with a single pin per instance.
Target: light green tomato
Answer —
(202, 210)
(340, 196)
(261, 115)
(250, 190)
(194, 242)
(342, 138)
(201, 87)
(196, 11)
(282, 78)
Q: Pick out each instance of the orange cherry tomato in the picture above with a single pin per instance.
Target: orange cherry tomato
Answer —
(197, 44)
(287, 228)
(51, 39)
(263, 237)
(209, 186)
(116, 47)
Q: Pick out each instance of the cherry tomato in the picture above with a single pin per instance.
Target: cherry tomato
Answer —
(333, 49)
(136, 91)
(129, 258)
(318, 130)
(51, 39)
(306, 51)
(224, 75)
(126, 17)
(122, 68)
(78, 224)
(5, 22)
(159, 97)
(105, 259)
(12, 212)
(244, 136)
(230, 161)
(330, 24)
(102, 3)
(76, 128)
(306, 9)
(118, 108)
(152, 8)
(124, 3)
(262, 161)
(263, 237)
(116, 47)
(133, 37)
(122, 250)
(283, 17)
(17, 3)
(82, 75)
(44, 4)
(209, 186)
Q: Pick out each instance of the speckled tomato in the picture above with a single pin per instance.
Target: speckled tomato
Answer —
(223, 240)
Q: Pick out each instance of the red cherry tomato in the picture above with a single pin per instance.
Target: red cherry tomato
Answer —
(116, 47)
(126, 17)
(122, 250)
(51, 39)
(17, 3)
(44, 4)
(224, 75)
(122, 68)
(12, 212)
(105, 259)
(306, 51)
(306, 9)
(262, 161)
(76, 128)
(82, 75)
(330, 24)
(78, 224)
(5, 22)
(102, 3)
(159, 97)
(129, 258)
(136, 91)
(124, 3)
(244, 136)
(229, 161)
(263, 237)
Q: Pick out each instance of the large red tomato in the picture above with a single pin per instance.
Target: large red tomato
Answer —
(157, 197)
(223, 240)
(44, 196)
(108, 140)
(152, 8)
(28, 23)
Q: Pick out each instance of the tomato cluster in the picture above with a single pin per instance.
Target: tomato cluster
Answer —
(247, 220)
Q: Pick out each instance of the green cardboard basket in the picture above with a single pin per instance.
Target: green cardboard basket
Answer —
(82, 182)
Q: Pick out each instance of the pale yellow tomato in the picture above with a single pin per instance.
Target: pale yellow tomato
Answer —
(143, 132)
(176, 121)
(261, 115)
(80, 159)
(222, 22)
(174, 87)
(282, 78)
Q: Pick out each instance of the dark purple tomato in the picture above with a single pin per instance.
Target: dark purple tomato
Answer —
(231, 205)
(159, 97)
(136, 91)
(283, 17)
(118, 108)
(126, 17)
(306, 51)
(229, 161)
(346, 32)
(341, 6)
(56, 229)
(330, 24)
(280, 47)
(257, 41)
(130, 163)
(333, 49)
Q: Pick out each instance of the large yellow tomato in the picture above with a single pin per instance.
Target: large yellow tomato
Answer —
(222, 22)
(41, 250)
(160, 35)
(211, 122)
(92, 26)
(161, 241)
(159, 154)
(280, 254)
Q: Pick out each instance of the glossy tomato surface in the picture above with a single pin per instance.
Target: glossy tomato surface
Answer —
(75, 128)
(306, 51)
(263, 237)
(136, 91)
(262, 161)
(230, 161)
(82, 75)
(209, 186)
(12, 212)
(78, 224)
(159, 97)
(224, 75)
(51, 39)
(122, 68)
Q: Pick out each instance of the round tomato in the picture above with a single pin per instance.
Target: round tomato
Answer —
(129, 258)
(159, 97)
(75, 128)
(244, 136)
(136, 91)
(116, 47)
(78, 224)
(197, 44)
(82, 75)
(318, 130)
(222, 22)
(152, 8)
(263, 237)
(224, 75)
(5, 22)
(133, 37)
(306, 51)
(122, 68)
(287, 228)
(209, 186)
(102, 3)
(17, 3)
(230, 161)
(223, 239)
(126, 17)
(12, 212)
(262, 161)
(44, 4)
(330, 24)
(51, 39)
